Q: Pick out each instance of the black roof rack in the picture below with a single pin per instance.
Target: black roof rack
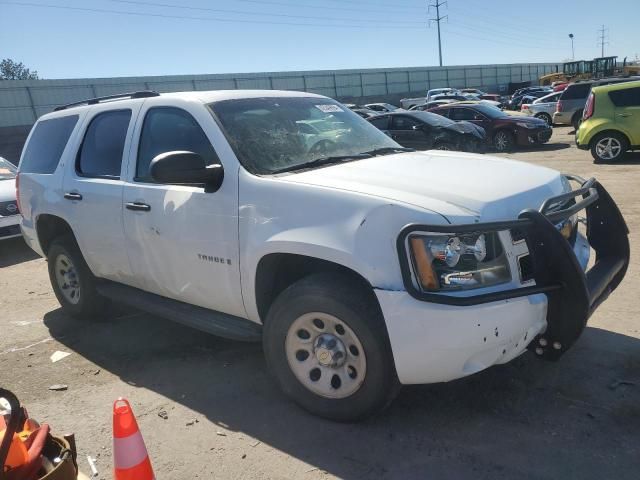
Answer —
(94, 101)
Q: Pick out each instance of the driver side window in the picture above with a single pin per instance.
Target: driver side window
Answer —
(167, 129)
(404, 123)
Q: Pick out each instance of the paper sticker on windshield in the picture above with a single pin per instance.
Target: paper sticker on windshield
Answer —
(4, 171)
(329, 108)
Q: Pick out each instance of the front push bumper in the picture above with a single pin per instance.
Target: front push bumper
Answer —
(453, 336)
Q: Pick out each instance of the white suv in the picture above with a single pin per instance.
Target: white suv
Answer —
(360, 265)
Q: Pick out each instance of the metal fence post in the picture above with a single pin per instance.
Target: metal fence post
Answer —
(464, 70)
(33, 105)
(386, 83)
(335, 85)
(193, 84)
(428, 80)
(304, 83)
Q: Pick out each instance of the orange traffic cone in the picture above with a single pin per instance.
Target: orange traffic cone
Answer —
(130, 457)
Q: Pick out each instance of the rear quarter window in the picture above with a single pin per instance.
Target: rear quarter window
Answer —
(576, 92)
(629, 97)
(42, 152)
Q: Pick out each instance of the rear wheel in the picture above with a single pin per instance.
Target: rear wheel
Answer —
(326, 343)
(576, 120)
(72, 281)
(503, 141)
(608, 147)
(544, 116)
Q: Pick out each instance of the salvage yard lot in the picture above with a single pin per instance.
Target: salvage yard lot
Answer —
(225, 418)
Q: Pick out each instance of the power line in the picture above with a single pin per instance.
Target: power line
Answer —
(438, 18)
(242, 12)
(601, 40)
(209, 19)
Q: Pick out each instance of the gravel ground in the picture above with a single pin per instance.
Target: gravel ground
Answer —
(577, 418)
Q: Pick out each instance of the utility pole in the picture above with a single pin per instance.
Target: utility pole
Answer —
(573, 52)
(437, 6)
(601, 40)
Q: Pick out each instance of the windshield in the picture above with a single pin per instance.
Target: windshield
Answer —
(7, 170)
(273, 134)
(433, 119)
(491, 111)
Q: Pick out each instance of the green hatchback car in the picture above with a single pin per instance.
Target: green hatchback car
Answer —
(611, 121)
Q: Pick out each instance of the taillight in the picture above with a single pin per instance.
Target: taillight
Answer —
(18, 192)
(588, 108)
(524, 107)
(559, 106)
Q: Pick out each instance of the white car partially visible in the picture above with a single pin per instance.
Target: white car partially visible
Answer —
(9, 214)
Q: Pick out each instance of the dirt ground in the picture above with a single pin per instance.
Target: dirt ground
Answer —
(577, 418)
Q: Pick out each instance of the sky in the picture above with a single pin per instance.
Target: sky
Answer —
(111, 38)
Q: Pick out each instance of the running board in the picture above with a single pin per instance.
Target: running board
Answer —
(210, 321)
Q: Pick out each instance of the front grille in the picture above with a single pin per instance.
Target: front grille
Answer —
(8, 208)
(9, 231)
(525, 265)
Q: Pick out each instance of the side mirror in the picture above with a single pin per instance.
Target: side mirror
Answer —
(186, 168)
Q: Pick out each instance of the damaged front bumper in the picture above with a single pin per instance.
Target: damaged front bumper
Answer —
(439, 337)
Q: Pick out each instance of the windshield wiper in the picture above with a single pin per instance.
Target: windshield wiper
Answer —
(323, 161)
(388, 150)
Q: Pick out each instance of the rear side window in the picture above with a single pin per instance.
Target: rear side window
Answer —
(42, 153)
(462, 114)
(401, 122)
(576, 92)
(101, 151)
(169, 129)
(382, 123)
(629, 97)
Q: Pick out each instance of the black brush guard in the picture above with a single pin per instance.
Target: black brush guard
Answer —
(573, 295)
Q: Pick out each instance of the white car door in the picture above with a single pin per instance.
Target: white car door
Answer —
(183, 242)
(92, 189)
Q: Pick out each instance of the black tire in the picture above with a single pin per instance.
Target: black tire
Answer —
(444, 146)
(615, 137)
(335, 295)
(576, 120)
(90, 303)
(544, 116)
(504, 141)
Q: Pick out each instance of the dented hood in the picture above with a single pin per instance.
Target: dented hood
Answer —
(453, 184)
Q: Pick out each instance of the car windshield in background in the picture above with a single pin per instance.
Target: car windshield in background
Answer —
(433, 119)
(270, 135)
(7, 170)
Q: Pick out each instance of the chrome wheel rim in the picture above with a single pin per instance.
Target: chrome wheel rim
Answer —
(545, 117)
(67, 278)
(501, 141)
(608, 148)
(325, 355)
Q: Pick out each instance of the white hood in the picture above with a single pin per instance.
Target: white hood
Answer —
(7, 190)
(453, 184)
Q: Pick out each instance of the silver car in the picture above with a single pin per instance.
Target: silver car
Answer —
(543, 107)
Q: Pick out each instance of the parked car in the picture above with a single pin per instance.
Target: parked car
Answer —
(407, 103)
(611, 121)
(449, 96)
(490, 103)
(360, 266)
(365, 112)
(543, 108)
(381, 107)
(528, 90)
(9, 212)
(473, 91)
(504, 131)
(516, 101)
(426, 131)
(571, 103)
(432, 104)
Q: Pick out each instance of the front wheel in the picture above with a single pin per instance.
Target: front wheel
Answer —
(326, 343)
(503, 141)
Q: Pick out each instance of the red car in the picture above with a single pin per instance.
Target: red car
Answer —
(504, 131)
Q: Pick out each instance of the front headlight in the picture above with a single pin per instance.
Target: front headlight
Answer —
(458, 262)
(526, 125)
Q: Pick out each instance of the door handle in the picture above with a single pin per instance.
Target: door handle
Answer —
(73, 196)
(138, 207)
